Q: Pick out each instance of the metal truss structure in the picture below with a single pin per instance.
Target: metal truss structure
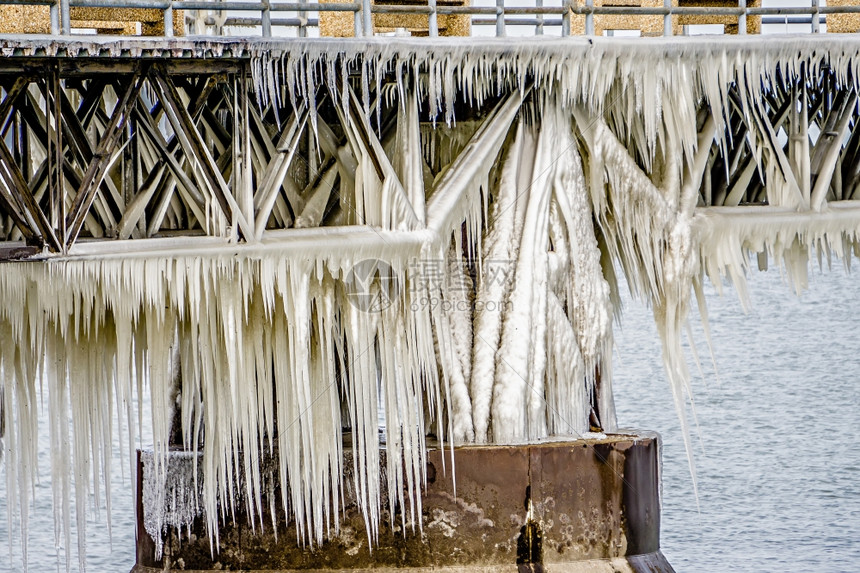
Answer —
(130, 150)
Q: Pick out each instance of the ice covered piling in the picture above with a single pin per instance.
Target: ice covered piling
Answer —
(587, 156)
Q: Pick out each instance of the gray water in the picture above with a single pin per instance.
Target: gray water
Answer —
(777, 451)
(778, 463)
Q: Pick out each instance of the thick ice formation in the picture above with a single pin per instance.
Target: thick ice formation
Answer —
(280, 342)
(171, 499)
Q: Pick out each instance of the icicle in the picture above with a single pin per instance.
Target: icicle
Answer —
(521, 358)
(272, 336)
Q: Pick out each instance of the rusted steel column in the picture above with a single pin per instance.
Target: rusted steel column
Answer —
(583, 505)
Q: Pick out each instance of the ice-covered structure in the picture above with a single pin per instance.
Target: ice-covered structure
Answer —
(310, 236)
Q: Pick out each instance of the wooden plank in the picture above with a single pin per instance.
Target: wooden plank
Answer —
(737, 130)
(693, 175)
(222, 137)
(264, 150)
(318, 193)
(183, 126)
(36, 121)
(89, 67)
(31, 219)
(22, 67)
(92, 97)
(202, 98)
(797, 132)
(189, 194)
(165, 194)
(243, 170)
(34, 117)
(346, 162)
(206, 66)
(766, 129)
(79, 142)
(362, 129)
(828, 132)
(850, 163)
(261, 133)
(741, 183)
(738, 187)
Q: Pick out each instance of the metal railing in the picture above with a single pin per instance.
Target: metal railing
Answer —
(500, 15)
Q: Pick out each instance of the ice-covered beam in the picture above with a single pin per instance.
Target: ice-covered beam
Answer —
(729, 235)
(458, 186)
(275, 175)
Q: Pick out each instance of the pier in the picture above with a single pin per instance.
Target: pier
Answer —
(369, 282)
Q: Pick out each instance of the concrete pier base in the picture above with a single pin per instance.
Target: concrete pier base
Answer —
(587, 505)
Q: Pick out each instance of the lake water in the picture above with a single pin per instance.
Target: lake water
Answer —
(778, 447)
(777, 450)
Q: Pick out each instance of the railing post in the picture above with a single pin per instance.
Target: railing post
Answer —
(357, 27)
(433, 23)
(168, 20)
(742, 19)
(55, 18)
(266, 19)
(589, 18)
(367, 17)
(539, 19)
(500, 18)
(565, 20)
(667, 18)
(815, 19)
(65, 19)
(303, 21)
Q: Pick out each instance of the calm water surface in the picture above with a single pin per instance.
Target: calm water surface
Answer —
(777, 451)
(778, 447)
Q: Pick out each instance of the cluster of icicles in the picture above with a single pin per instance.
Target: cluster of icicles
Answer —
(274, 355)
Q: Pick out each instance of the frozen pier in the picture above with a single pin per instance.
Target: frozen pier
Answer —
(406, 240)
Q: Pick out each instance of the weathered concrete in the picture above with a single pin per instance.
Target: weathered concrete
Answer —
(594, 507)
